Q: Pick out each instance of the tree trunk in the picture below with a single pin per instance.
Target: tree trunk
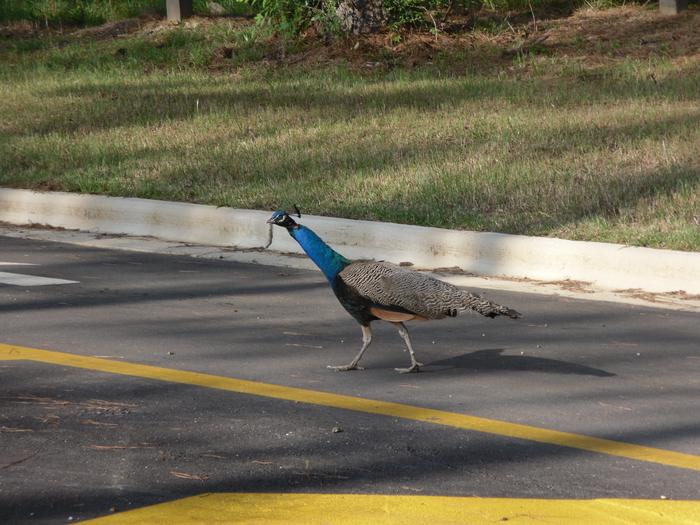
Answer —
(362, 16)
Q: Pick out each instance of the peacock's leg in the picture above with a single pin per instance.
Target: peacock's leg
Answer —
(366, 340)
(415, 365)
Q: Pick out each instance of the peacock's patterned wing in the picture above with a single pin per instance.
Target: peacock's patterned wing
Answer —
(392, 286)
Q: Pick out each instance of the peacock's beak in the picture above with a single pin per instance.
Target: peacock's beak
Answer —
(270, 221)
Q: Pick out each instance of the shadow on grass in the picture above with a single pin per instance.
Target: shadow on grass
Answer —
(117, 103)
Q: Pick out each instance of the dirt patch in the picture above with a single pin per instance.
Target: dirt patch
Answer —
(111, 29)
(683, 295)
(590, 37)
(155, 25)
(570, 285)
(49, 185)
(623, 32)
(19, 29)
(147, 24)
(481, 41)
(653, 297)
(377, 52)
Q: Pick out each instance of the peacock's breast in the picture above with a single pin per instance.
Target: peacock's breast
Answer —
(355, 304)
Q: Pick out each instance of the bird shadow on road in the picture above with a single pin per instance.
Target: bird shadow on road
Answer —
(492, 359)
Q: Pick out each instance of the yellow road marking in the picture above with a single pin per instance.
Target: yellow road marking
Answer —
(358, 404)
(354, 509)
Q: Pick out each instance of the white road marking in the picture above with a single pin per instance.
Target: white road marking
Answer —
(20, 279)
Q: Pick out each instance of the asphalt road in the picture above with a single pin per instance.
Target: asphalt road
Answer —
(77, 443)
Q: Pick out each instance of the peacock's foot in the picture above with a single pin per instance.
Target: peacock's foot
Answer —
(414, 368)
(345, 368)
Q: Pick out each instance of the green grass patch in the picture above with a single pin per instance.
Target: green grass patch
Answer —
(548, 147)
(76, 11)
(92, 12)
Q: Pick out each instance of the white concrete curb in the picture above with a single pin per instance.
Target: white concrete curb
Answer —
(606, 266)
(173, 221)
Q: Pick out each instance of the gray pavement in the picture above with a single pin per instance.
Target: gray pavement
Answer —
(79, 444)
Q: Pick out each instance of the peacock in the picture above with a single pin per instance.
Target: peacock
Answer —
(378, 290)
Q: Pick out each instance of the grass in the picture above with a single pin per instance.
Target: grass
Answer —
(90, 12)
(541, 145)
(75, 11)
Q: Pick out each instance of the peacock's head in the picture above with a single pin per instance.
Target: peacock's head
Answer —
(282, 218)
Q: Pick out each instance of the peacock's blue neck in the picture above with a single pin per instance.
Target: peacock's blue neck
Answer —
(329, 261)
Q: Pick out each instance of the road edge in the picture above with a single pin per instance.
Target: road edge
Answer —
(604, 266)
